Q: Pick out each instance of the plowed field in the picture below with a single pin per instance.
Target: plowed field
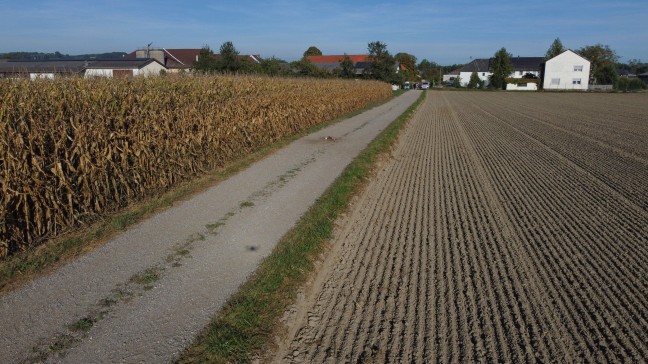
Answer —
(505, 227)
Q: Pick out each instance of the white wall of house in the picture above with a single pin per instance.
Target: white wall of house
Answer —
(465, 77)
(41, 76)
(520, 74)
(531, 86)
(447, 78)
(151, 69)
(567, 71)
(98, 72)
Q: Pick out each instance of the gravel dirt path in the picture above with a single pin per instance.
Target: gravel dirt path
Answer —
(504, 228)
(144, 295)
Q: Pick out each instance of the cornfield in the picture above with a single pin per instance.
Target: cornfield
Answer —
(75, 149)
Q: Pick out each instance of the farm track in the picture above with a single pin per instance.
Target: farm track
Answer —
(494, 233)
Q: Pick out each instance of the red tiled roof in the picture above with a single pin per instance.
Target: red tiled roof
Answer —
(338, 58)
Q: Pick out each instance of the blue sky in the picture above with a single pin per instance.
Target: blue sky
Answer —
(442, 31)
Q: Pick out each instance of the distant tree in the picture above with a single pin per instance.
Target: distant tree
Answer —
(635, 66)
(555, 49)
(430, 71)
(347, 68)
(306, 68)
(382, 65)
(457, 82)
(272, 66)
(312, 51)
(607, 74)
(475, 81)
(229, 61)
(206, 61)
(410, 73)
(602, 63)
(501, 69)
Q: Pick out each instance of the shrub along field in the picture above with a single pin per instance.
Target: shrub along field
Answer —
(74, 149)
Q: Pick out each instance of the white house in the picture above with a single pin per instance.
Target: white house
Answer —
(567, 71)
(450, 77)
(479, 65)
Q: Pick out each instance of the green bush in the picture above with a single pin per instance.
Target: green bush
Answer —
(630, 84)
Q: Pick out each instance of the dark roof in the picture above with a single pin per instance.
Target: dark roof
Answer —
(43, 66)
(518, 64)
(477, 65)
(131, 63)
(527, 63)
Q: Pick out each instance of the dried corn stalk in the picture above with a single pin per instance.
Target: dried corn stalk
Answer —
(73, 149)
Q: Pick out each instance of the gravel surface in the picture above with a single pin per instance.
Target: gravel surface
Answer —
(143, 296)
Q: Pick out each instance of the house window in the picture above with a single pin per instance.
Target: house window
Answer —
(555, 81)
(578, 68)
(576, 81)
(483, 73)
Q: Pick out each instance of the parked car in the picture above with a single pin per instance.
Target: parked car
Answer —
(406, 86)
(425, 85)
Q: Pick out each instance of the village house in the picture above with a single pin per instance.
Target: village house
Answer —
(181, 60)
(566, 71)
(332, 62)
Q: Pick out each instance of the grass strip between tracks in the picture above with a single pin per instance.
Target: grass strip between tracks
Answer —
(247, 322)
(18, 269)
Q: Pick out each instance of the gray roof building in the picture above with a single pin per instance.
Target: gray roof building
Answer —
(69, 67)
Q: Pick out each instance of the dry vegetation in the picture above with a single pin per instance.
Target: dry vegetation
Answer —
(74, 149)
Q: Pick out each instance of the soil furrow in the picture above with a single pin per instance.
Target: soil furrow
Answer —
(496, 232)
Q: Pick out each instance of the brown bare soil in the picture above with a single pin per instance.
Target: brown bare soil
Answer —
(506, 227)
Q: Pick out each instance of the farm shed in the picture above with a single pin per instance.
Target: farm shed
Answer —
(124, 67)
(41, 69)
(566, 71)
(47, 69)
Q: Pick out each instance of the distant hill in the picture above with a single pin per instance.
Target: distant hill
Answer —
(58, 55)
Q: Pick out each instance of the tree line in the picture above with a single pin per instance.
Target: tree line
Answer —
(382, 65)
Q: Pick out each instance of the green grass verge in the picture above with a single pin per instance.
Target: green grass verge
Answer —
(24, 266)
(247, 322)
